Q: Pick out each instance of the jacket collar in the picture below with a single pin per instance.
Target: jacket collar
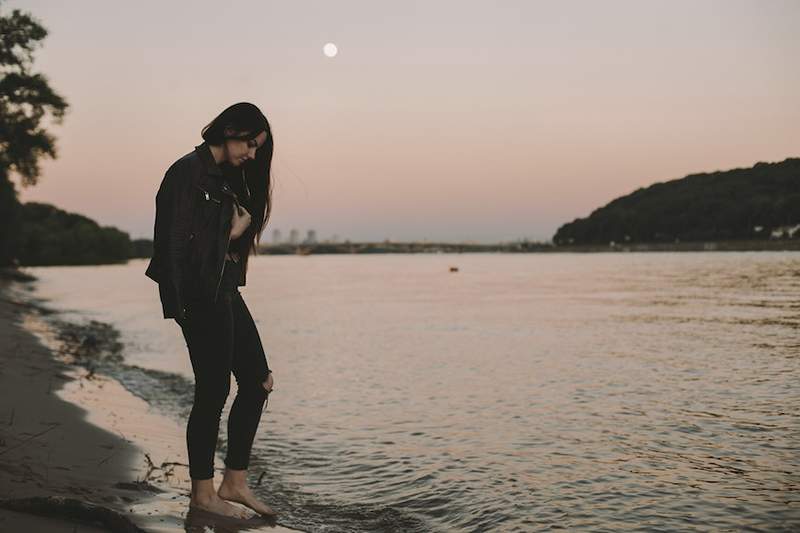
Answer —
(211, 166)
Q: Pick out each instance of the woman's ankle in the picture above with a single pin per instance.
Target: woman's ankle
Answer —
(203, 489)
(234, 478)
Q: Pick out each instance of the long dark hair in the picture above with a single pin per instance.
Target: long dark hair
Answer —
(247, 122)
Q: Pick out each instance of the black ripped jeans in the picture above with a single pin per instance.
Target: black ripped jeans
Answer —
(222, 338)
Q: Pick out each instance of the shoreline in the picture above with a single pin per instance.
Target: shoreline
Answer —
(525, 246)
(77, 449)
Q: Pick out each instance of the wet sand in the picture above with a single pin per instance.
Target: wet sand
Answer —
(78, 452)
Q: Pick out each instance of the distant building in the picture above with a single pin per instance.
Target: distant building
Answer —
(311, 237)
(276, 236)
(293, 236)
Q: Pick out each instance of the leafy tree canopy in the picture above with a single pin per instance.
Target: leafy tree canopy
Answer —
(26, 99)
(743, 203)
(27, 102)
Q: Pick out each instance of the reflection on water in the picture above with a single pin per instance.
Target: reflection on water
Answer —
(522, 392)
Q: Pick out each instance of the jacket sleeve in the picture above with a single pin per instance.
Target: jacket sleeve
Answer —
(171, 239)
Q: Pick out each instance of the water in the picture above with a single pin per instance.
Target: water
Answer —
(524, 392)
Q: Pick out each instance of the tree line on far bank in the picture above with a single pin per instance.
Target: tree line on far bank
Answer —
(756, 203)
(47, 235)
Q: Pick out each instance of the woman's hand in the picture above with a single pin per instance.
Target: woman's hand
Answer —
(240, 221)
(269, 382)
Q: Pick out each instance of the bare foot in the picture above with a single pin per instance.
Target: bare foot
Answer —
(215, 504)
(246, 497)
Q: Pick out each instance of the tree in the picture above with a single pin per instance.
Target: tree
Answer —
(26, 102)
(717, 206)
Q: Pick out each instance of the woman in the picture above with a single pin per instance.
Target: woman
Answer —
(211, 209)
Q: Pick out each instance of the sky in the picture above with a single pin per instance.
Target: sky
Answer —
(437, 120)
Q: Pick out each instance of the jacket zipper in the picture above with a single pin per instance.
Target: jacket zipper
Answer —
(216, 293)
(221, 272)
(206, 194)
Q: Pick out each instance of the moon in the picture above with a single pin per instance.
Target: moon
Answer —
(330, 50)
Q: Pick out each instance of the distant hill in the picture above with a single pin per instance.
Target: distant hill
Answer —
(743, 203)
(141, 248)
(49, 236)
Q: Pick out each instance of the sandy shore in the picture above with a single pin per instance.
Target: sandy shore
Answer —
(78, 452)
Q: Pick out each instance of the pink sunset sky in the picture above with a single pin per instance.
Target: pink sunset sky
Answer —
(438, 120)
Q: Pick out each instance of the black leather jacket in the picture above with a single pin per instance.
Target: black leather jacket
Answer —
(194, 208)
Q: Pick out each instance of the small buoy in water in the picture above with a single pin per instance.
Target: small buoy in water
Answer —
(453, 269)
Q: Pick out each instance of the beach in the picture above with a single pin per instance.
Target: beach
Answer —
(79, 452)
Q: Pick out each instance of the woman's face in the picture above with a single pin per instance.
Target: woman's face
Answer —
(238, 151)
